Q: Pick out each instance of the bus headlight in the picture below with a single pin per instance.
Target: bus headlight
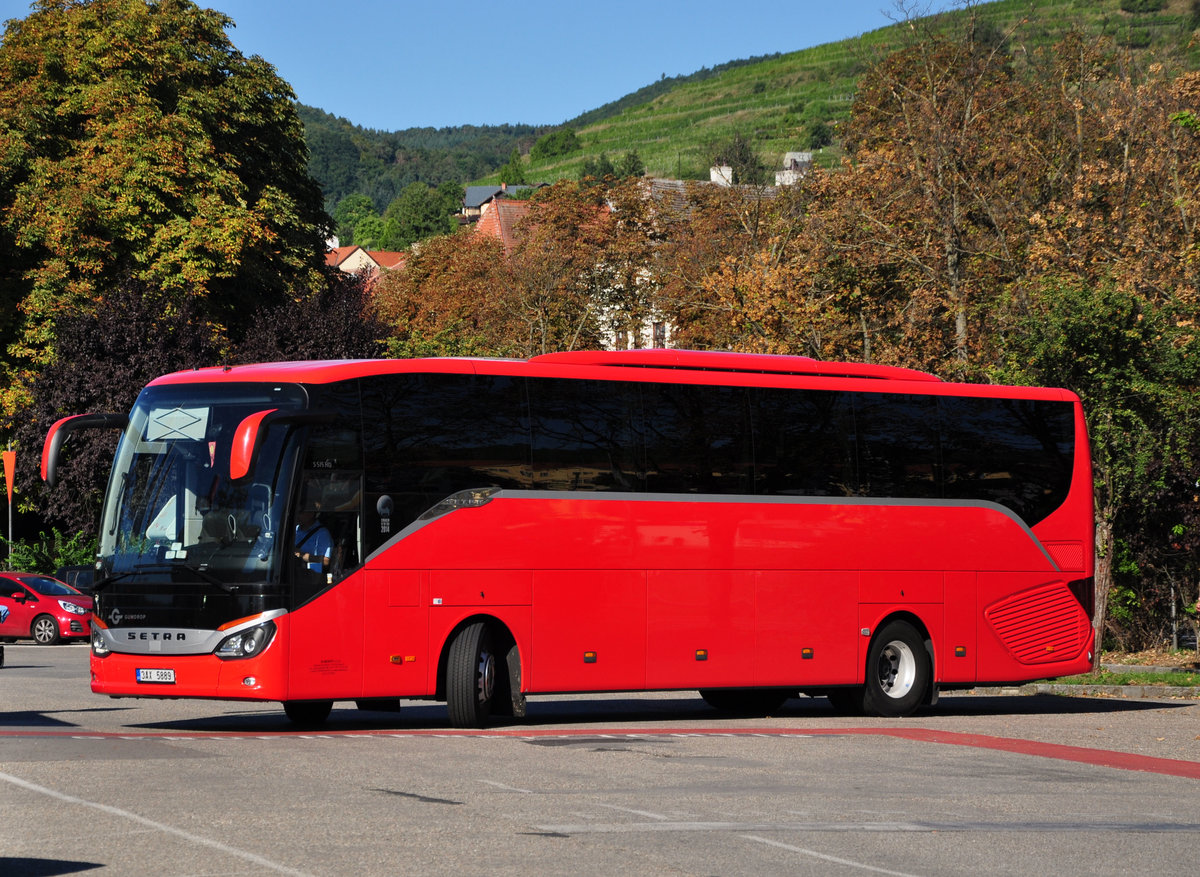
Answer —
(99, 646)
(246, 643)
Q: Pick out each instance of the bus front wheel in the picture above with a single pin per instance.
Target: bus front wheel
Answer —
(471, 683)
(899, 670)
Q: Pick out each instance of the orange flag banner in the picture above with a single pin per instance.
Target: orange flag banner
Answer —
(10, 467)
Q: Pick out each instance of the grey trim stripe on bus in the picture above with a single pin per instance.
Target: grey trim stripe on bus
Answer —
(616, 496)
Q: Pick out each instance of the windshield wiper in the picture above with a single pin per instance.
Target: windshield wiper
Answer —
(203, 574)
(108, 580)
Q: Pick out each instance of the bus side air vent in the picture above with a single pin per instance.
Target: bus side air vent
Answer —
(1040, 626)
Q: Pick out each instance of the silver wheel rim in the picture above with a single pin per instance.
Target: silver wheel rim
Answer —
(43, 630)
(897, 669)
(487, 676)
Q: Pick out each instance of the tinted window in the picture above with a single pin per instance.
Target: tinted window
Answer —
(697, 439)
(1016, 452)
(428, 436)
(586, 435)
(897, 445)
(803, 443)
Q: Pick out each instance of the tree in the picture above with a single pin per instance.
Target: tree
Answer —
(419, 213)
(1128, 360)
(513, 173)
(445, 300)
(738, 154)
(630, 165)
(597, 169)
(337, 321)
(561, 142)
(350, 211)
(136, 141)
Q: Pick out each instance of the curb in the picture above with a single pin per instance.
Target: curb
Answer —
(1129, 692)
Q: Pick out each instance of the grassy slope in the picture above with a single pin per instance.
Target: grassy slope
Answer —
(774, 100)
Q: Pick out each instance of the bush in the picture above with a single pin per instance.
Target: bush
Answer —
(47, 553)
(560, 142)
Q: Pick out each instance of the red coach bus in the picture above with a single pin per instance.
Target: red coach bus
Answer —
(754, 527)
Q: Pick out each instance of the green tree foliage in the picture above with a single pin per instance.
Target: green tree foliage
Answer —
(738, 153)
(419, 213)
(818, 135)
(597, 169)
(369, 232)
(513, 173)
(48, 552)
(1135, 366)
(628, 165)
(349, 159)
(136, 140)
(350, 211)
(561, 142)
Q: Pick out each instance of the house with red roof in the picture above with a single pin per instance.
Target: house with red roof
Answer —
(353, 259)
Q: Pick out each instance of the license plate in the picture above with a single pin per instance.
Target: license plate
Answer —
(156, 675)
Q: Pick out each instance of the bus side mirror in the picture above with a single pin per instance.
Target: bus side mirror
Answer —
(59, 432)
(244, 453)
(245, 444)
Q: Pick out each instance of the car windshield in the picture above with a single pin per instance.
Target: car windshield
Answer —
(48, 587)
(172, 510)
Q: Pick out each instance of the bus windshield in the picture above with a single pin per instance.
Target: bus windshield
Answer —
(171, 505)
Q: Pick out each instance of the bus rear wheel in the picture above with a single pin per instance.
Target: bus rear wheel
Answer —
(899, 671)
(746, 701)
(471, 683)
(308, 712)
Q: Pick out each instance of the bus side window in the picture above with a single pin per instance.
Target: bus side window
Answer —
(697, 439)
(1015, 452)
(427, 436)
(585, 435)
(898, 452)
(803, 443)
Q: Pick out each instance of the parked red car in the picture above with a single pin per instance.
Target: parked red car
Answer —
(43, 608)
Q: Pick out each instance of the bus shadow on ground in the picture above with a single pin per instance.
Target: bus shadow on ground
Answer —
(634, 713)
(48, 719)
(19, 867)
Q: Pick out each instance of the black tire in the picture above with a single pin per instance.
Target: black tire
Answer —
(308, 713)
(747, 701)
(899, 671)
(846, 701)
(471, 684)
(44, 630)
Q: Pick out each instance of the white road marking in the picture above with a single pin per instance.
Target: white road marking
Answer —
(634, 812)
(823, 857)
(150, 823)
(506, 788)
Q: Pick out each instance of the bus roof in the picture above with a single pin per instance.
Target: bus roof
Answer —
(689, 365)
(327, 371)
(707, 360)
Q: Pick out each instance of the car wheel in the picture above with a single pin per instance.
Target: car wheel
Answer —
(44, 630)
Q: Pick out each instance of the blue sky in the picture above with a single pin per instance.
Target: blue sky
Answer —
(392, 64)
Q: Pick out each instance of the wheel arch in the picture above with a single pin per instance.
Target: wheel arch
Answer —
(913, 619)
(505, 640)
